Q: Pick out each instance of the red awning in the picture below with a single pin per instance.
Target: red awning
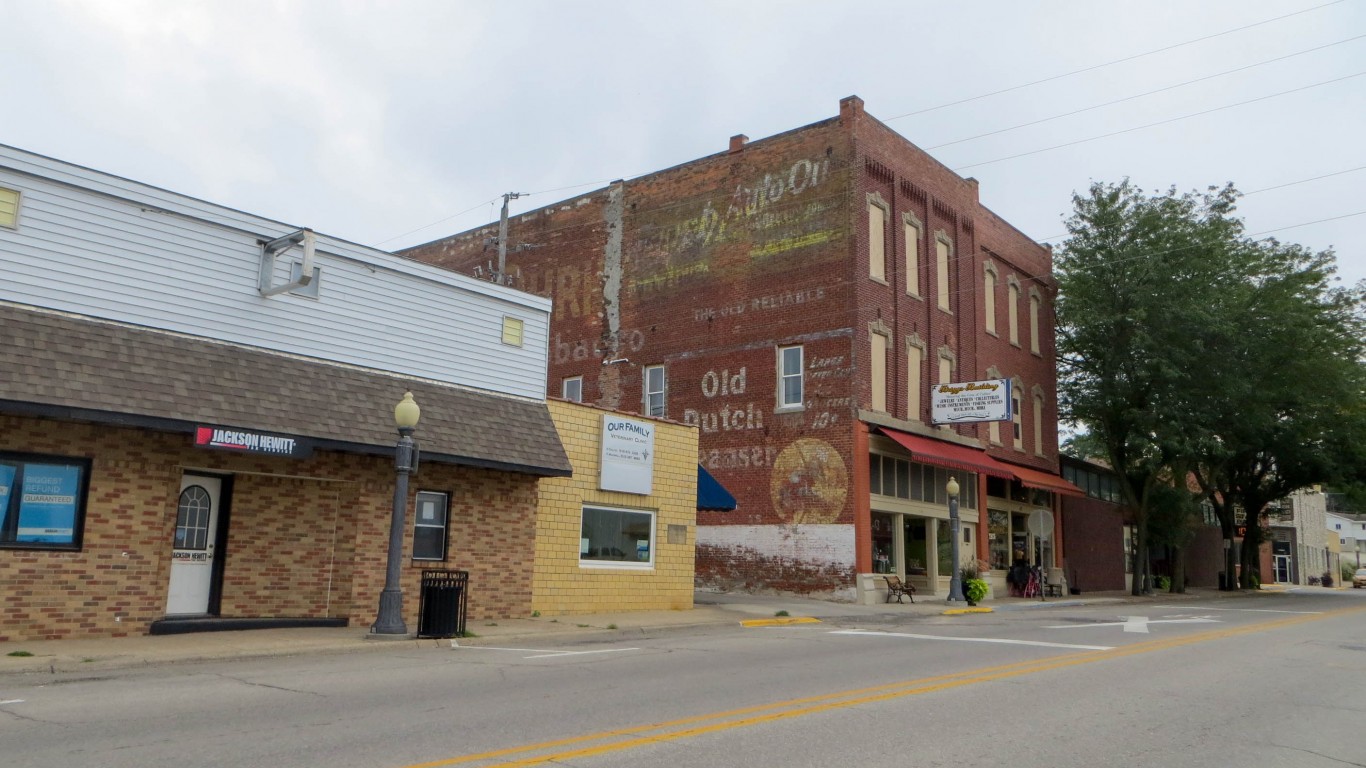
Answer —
(1033, 478)
(940, 454)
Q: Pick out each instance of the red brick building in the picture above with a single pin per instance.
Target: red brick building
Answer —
(797, 298)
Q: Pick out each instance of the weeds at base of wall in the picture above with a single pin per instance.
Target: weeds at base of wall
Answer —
(19, 653)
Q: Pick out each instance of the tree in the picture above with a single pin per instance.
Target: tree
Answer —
(1132, 278)
(1283, 400)
(1189, 350)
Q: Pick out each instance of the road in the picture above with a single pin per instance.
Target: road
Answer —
(1271, 681)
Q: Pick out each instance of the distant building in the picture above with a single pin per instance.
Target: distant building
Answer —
(798, 298)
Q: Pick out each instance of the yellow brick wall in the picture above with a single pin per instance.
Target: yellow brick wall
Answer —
(560, 585)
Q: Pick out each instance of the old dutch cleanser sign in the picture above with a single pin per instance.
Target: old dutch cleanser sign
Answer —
(247, 441)
(628, 455)
(971, 401)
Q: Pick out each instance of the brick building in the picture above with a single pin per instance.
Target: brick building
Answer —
(797, 298)
(193, 436)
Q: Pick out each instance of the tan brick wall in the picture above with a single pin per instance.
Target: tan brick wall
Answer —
(306, 537)
(561, 585)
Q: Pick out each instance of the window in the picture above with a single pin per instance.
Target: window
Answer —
(878, 371)
(430, 525)
(654, 391)
(1016, 417)
(1035, 300)
(911, 233)
(994, 427)
(915, 364)
(790, 377)
(945, 373)
(42, 501)
(192, 519)
(572, 389)
(989, 296)
(902, 479)
(942, 254)
(1038, 423)
(877, 238)
(620, 537)
(9, 208)
(512, 331)
(1013, 308)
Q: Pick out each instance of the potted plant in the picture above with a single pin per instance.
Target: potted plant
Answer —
(975, 587)
(975, 590)
(1327, 580)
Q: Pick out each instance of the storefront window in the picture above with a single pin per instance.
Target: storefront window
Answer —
(915, 545)
(622, 537)
(945, 540)
(42, 501)
(998, 530)
(884, 558)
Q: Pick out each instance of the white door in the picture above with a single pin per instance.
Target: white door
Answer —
(196, 525)
(1282, 566)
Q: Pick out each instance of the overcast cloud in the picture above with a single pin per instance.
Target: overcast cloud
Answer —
(395, 123)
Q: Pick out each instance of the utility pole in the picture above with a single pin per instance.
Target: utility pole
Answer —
(503, 237)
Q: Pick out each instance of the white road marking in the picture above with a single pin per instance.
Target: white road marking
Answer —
(1138, 623)
(11, 701)
(1001, 640)
(1247, 610)
(541, 654)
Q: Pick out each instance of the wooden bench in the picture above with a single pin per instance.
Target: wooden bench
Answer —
(896, 588)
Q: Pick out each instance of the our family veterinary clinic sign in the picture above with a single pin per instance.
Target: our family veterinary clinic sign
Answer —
(971, 401)
(628, 455)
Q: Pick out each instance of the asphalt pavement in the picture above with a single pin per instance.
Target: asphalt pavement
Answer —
(711, 609)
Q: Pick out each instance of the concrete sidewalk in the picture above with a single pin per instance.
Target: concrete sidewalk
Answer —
(711, 609)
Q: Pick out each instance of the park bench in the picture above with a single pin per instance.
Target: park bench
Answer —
(896, 588)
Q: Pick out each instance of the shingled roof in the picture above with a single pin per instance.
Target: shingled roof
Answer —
(64, 366)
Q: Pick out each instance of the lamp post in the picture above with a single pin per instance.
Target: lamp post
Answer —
(956, 533)
(389, 623)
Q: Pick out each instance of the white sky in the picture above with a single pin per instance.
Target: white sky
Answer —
(395, 123)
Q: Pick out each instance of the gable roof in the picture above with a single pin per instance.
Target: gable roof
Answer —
(65, 366)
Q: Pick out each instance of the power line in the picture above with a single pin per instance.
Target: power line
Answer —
(1141, 95)
(1249, 193)
(1094, 67)
(434, 223)
(1159, 122)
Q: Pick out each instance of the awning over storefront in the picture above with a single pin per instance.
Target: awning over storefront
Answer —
(711, 495)
(1033, 478)
(941, 454)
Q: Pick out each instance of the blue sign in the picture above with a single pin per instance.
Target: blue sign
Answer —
(47, 506)
(6, 483)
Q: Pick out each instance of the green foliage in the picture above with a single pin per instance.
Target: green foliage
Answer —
(19, 653)
(780, 614)
(975, 590)
(1164, 583)
(1188, 350)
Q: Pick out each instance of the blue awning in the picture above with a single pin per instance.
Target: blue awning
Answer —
(711, 495)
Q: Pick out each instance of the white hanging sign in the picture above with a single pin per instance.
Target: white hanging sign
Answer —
(971, 401)
(628, 455)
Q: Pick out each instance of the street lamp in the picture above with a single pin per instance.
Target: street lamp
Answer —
(389, 623)
(955, 526)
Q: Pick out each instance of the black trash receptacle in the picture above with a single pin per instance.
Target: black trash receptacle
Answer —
(1223, 581)
(441, 605)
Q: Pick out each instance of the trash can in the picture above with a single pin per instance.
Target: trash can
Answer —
(1223, 582)
(441, 604)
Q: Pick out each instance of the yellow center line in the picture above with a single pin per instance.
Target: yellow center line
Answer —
(782, 710)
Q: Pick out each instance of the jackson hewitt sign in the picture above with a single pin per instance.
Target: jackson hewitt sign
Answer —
(970, 402)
